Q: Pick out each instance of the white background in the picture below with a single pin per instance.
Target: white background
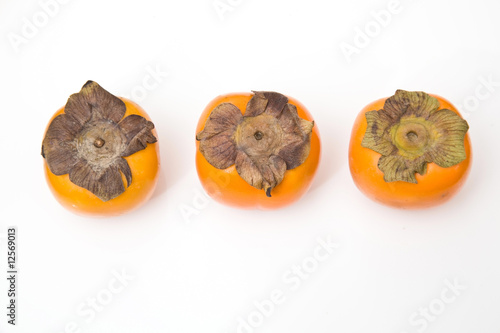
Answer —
(205, 272)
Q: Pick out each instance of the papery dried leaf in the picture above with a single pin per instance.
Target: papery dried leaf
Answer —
(295, 153)
(105, 183)
(398, 168)
(395, 106)
(216, 139)
(416, 103)
(138, 131)
(377, 136)
(306, 126)
(94, 103)
(274, 103)
(289, 120)
(273, 172)
(297, 139)
(256, 105)
(123, 166)
(219, 150)
(448, 148)
(262, 173)
(79, 108)
(104, 104)
(59, 146)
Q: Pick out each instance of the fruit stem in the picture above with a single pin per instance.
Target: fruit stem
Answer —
(98, 143)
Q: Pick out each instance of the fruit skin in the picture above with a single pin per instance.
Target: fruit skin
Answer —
(227, 187)
(435, 187)
(144, 164)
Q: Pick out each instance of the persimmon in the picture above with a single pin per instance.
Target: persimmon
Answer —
(101, 156)
(256, 150)
(410, 150)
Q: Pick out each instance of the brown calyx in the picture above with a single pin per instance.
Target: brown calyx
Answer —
(268, 140)
(89, 140)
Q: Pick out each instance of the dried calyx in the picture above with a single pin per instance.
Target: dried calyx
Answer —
(90, 140)
(267, 140)
(411, 131)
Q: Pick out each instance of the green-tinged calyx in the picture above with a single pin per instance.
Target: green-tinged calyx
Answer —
(411, 131)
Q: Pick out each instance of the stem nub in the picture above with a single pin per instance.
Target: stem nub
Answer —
(98, 143)
(412, 137)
